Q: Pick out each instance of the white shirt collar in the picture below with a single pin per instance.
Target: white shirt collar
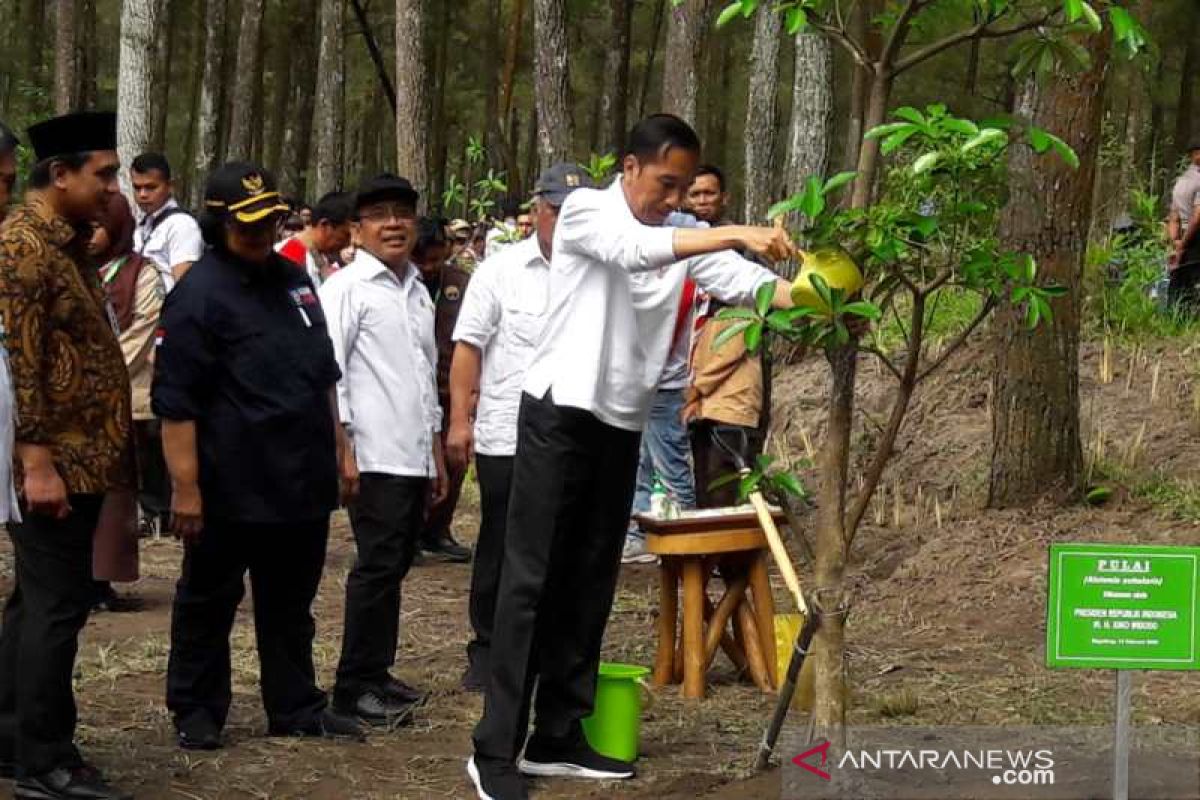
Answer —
(154, 216)
(375, 268)
(529, 252)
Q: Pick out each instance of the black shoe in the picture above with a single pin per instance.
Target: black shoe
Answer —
(446, 550)
(375, 709)
(198, 732)
(571, 757)
(107, 599)
(329, 724)
(399, 692)
(496, 780)
(78, 783)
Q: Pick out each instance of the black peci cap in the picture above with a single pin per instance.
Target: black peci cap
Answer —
(560, 180)
(246, 192)
(83, 132)
(385, 186)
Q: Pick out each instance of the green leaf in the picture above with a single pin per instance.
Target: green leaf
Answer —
(1064, 151)
(880, 131)
(785, 206)
(1032, 316)
(812, 203)
(838, 181)
(821, 287)
(1072, 9)
(1054, 291)
(862, 308)
(926, 226)
(747, 486)
(963, 126)
(789, 483)
(911, 114)
(791, 315)
(737, 313)
(894, 142)
(925, 163)
(1030, 267)
(754, 336)
(984, 137)
(725, 480)
(730, 12)
(1039, 139)
(1092, 18)
(1099, 495)
(763, 297)
(797, 20)
(736, 329)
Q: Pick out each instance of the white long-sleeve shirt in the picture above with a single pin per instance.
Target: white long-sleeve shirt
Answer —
(382, 331)
(615, 286)
(503, 314)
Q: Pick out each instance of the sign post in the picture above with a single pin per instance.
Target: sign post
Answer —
(1123, 607)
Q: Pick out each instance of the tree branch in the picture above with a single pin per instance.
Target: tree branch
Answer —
(900, 32)
(960, 340)
(983, 31)
(883, 451)
(887, 362)
(839, 35)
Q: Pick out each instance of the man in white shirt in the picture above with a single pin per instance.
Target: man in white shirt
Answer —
(315, 248)
(166, 234)
(620, 258)
(498, 330)
(380, 319)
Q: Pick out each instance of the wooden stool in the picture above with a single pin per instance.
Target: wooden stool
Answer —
(690, 549)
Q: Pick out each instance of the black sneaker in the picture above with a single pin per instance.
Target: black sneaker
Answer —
(496, 780)
(571, 757)
(398, 691)
(373, 708)
(77, 783)
(329, 724)
(198, 732)
(475, 679)
(446, 550)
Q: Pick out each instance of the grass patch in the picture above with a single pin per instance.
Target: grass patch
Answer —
(947, 313)
(1177, 498)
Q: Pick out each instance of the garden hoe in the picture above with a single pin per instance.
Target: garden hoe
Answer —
(811, 617)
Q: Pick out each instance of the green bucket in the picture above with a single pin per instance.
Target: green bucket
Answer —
(612, 729)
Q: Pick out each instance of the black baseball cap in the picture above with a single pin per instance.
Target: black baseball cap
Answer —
(246, 192)
(8, 139)
(82, 132)
(385, 186)
(560, 180)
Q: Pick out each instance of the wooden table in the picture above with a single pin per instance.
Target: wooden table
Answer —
(690, 550)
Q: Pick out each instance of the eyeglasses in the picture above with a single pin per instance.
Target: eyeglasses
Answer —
(399, 213)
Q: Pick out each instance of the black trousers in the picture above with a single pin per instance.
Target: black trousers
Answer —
(712, 463)
(285, 562)
(386, 519)
(573, 483)
(495, 481)
(437, 526)
(155, 494)
(48, 607)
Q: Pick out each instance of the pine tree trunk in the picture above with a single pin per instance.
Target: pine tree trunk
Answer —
(329, 116)
(439, 146)
(513, 45)
(491, 75)
(1036, 446)
(412, 142)
(811, 141)
(282, 55)
(139, 21)
(245, 75)
(164, 45)
(65, 62)
(1187, 87)
(761, 118)
(615, 102)
(686, 25)
(860, 31)
(297, 131)
(88, 55)
(660, 13)
(878, 95)
(552, 82)
(208, 116)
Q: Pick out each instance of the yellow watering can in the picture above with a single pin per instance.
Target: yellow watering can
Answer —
(834, 265)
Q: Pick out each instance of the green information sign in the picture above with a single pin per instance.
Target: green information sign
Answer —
(1123, 607)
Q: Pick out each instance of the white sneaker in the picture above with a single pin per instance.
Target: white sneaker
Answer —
(635, 552)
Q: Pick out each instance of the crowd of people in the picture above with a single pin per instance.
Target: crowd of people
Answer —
(244, 371)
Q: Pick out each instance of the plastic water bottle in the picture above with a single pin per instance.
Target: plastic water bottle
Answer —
(659, 500)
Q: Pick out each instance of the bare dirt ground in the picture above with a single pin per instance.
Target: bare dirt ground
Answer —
(948, 625)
